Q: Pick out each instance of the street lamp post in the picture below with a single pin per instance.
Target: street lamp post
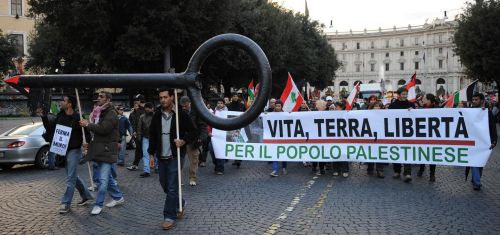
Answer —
(62, 63)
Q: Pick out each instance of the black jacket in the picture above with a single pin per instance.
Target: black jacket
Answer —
(104, 144)
(186, 133)
(135, 116)
(76, 138)
(200, 126)
(236, 106)
(397, 104)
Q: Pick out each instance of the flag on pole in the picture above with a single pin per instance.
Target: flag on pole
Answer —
(462, 95)
(291, 97)
(351, 99)
(411, 86)
(251, 94)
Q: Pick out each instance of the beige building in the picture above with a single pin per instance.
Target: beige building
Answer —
(14, 23)
(393, 55)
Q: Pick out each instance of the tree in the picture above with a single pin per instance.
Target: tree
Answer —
(110, 36)
(476, 40)
(7, 52)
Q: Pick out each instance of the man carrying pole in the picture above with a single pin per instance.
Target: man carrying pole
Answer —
(170, 131)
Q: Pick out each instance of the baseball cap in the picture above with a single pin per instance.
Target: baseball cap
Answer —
(329, 98)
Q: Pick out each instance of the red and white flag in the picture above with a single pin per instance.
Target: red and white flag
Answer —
(291, 97)
(411, 86)
(351, 99)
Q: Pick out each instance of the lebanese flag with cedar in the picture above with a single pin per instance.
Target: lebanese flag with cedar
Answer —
(291, 97)
(351, 99)
(411, 86)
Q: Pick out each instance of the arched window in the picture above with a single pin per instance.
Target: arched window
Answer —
(343, 83)
(440, 81)
(419, 82)
(401, 82)
(358, 82)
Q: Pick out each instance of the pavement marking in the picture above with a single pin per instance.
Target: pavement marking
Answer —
(283, 216)
(315, 210)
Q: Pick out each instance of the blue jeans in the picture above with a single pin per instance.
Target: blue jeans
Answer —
(51, 159)
(170, 185)
(123, 150)
(107, 183)
(219, 163)
(276, 166)
(72, 179)
(145, 155)
(477, 172)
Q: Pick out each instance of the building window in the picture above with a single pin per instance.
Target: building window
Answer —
(386, 43)
(342, 67)
(344, 46)
(416, 65)
(440, 38)
(18, 41)
(372, 44)
(16, 7)
(440, 50)
(416, 52)
(402, 53)
(401, 66)
(357, 45)
(358, 68)
(440, 64)
(387, 54)
(343, 56)
(402, 42)
(372, 67)
(416, 41)
(372, 55)
(387, 67)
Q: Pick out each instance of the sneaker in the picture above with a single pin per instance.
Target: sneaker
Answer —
(144, 175)
(396, 175)
(192, 183)
(96, 210)
(284, 171)
(114, 202)
(335, 173)
(84, 201)
(219, 173)
(407, 178)
(132, 168)
(345, 174)
(93, 188)
(274, 174)
(64, 208)
(432, 178)
(202, 164)
(168, 224)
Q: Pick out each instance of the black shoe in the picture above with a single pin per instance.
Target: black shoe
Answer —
(84, 201)
(53, 168)
(432, 178)
(476, 187)
(132, 168)
(144, 175)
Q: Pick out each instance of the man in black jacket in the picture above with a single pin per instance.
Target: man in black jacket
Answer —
(402, 103)
(134, 118)
(165, 143)
(237, 106)
(193, 149)
(68, 117)
(477, 172)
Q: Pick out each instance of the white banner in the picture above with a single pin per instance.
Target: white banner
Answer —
(60, 141)
(457, 137)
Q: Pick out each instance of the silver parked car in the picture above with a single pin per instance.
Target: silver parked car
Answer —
(24, 144)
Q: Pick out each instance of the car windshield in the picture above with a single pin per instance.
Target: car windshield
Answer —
(23, 130)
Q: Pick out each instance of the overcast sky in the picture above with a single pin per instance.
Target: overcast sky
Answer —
(372, 14)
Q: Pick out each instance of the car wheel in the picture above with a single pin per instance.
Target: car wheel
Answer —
(6, 166)
(42, 159)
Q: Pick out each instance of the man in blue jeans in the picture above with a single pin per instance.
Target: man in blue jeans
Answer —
(164, 142)
(125, 126)
(103, 150)
(477, 172)
(69, 117)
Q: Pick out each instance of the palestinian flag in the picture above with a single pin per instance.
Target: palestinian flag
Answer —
(462, 95)
(251, 94)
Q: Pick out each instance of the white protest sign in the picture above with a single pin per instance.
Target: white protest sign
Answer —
(60, 141)
(457, 137)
